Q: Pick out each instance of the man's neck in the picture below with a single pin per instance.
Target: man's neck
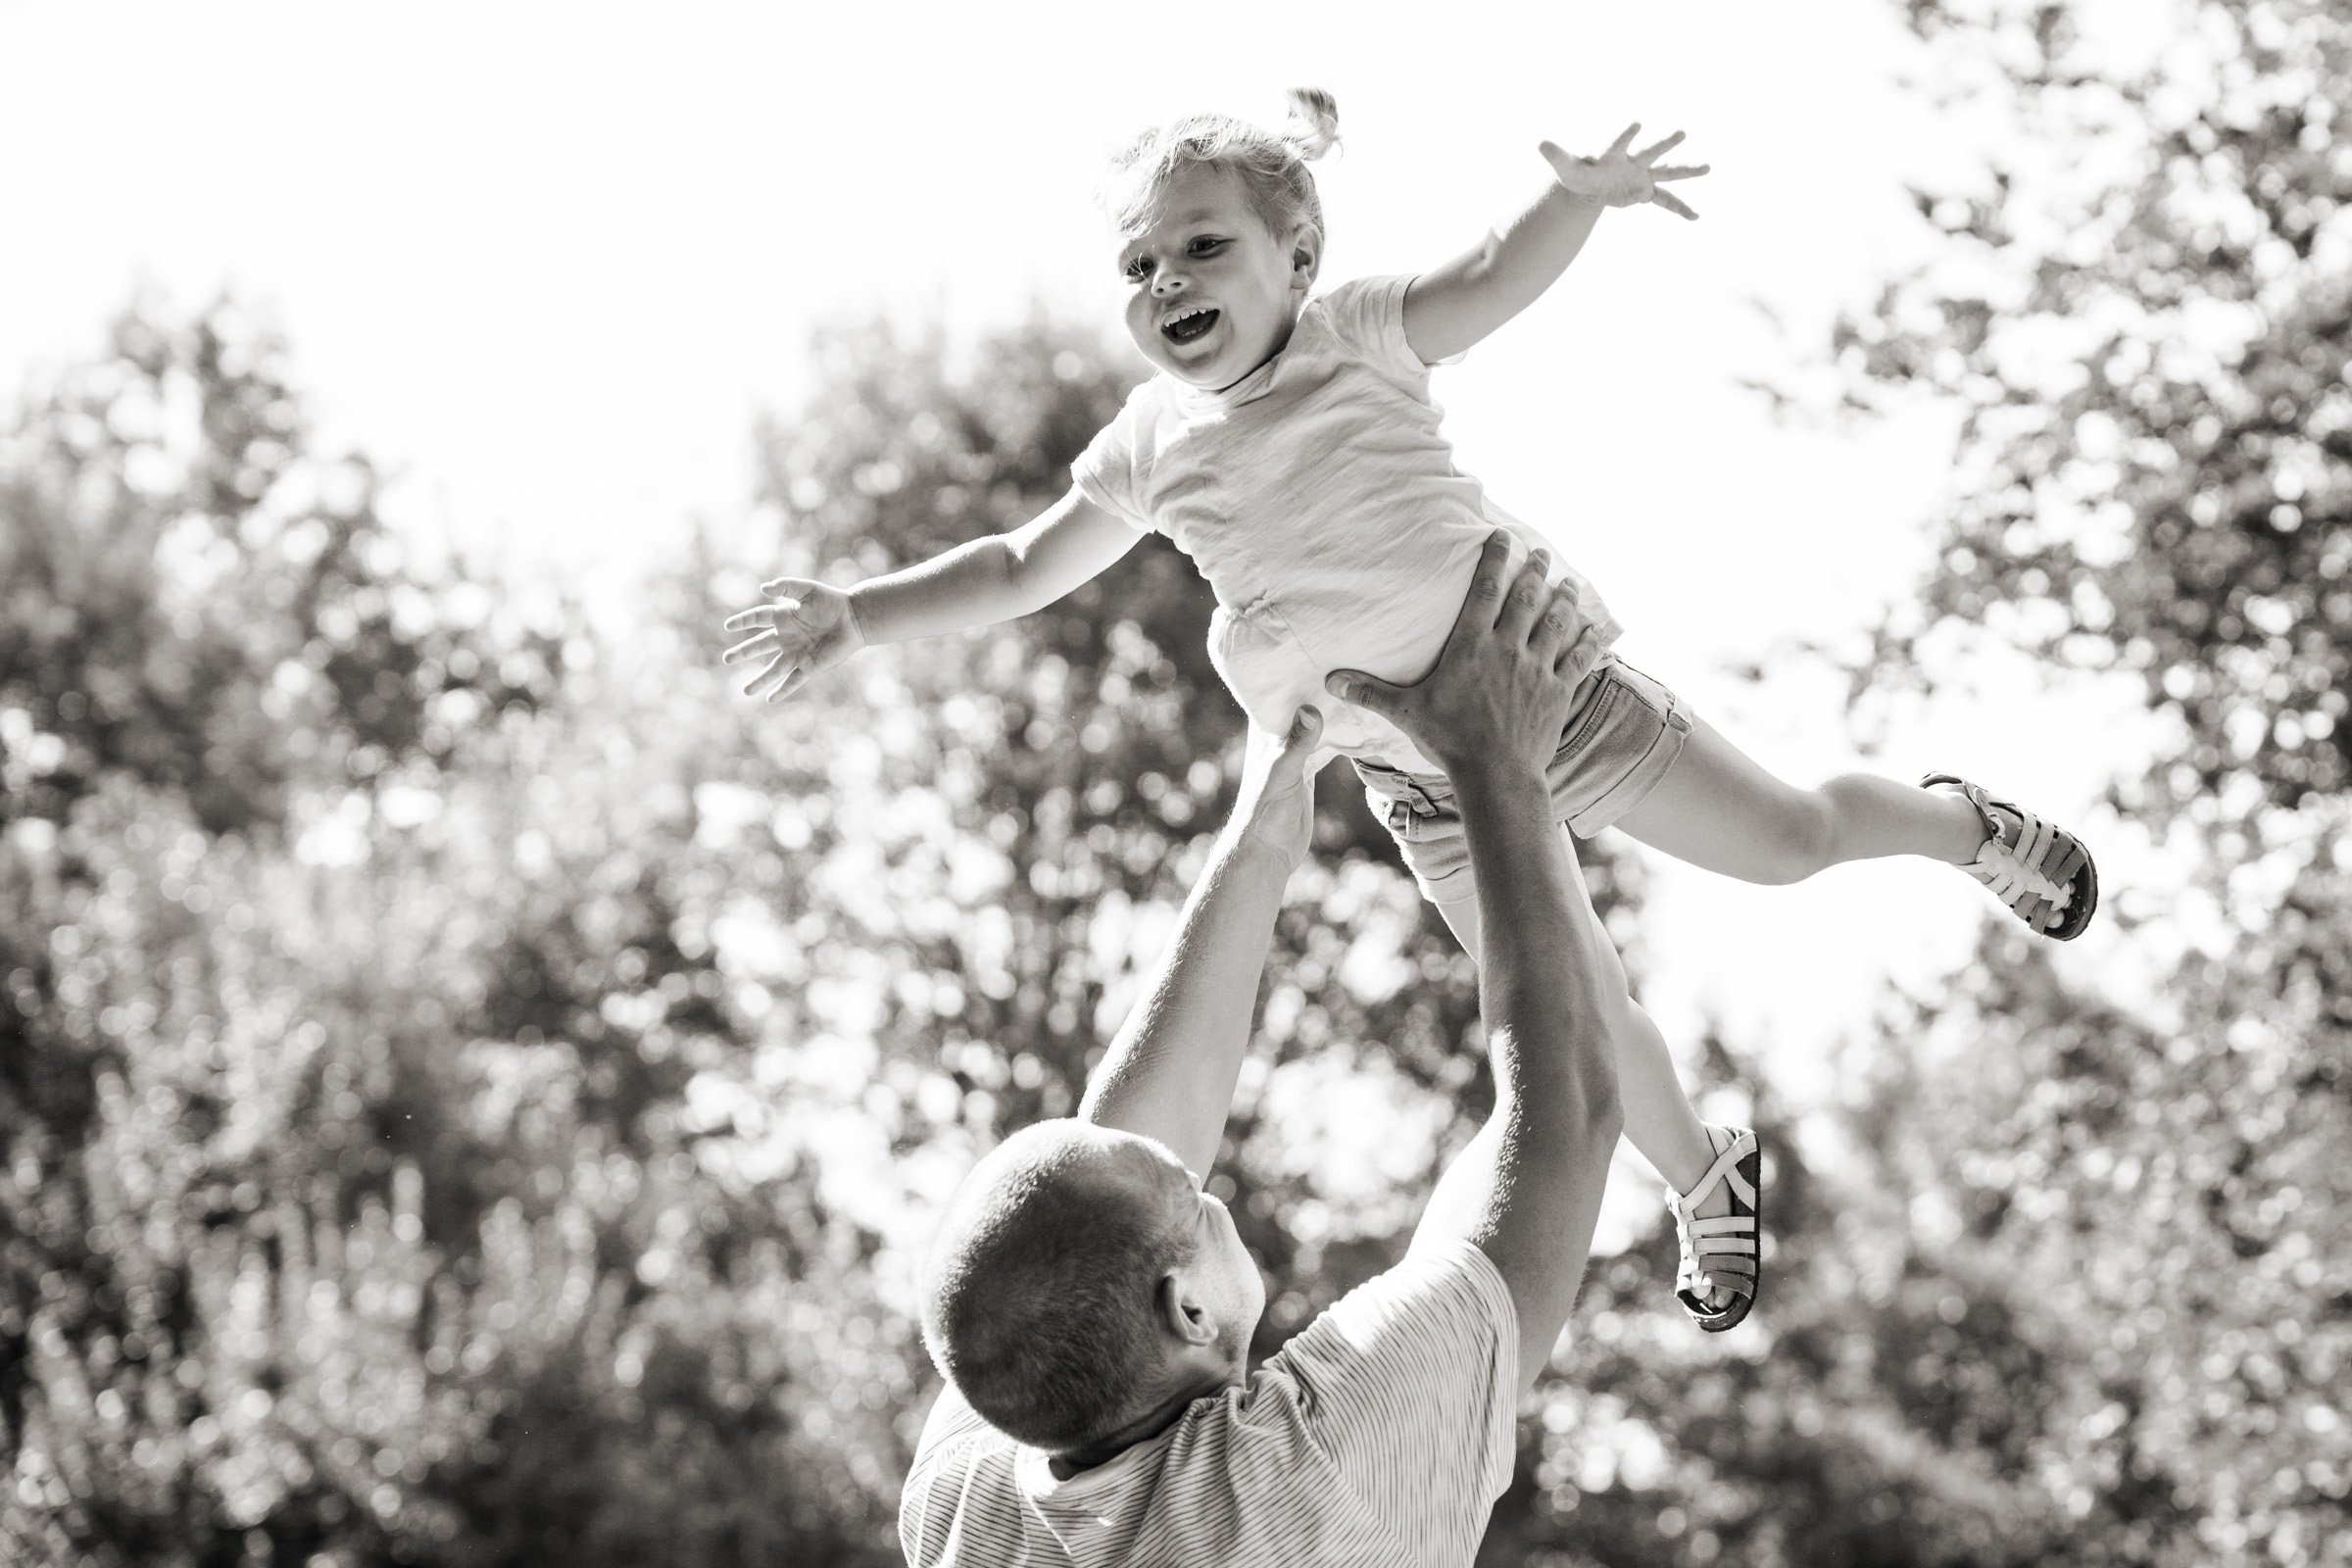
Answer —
(1151, 1424)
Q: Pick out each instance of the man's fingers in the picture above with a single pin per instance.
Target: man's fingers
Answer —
(1672, 203)
(1365, 691)
(1625, 138)
(1305, 725)
(1581, 656)
(1525, 600)
(1556, 625)
(1483, 601)
(1297, 742)
(1657, 147)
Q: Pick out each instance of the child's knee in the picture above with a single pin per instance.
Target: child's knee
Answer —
(1803, 837)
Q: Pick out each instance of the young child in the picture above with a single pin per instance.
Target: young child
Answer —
(1290, 447)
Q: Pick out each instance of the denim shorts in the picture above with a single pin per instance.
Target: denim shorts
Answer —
(1624, 733)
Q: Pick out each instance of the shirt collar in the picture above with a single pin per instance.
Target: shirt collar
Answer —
(1249, 389)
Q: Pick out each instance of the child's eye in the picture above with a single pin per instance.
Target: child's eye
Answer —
(1204, 245)
(1134, 271)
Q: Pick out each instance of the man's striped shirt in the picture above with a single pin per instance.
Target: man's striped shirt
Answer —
(1381, 1434)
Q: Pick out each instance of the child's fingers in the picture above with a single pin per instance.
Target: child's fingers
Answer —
(1657, 147)
(1625, 138)
(760, 614)
(751, 648)
(1672, 203)
(793, 683)
(1564, 163)
(1680, 172)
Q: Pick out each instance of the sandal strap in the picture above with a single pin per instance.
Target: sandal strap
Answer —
(2022, 871)
(1720, 1251)
(1725, 1169)
(2017, 871)
(1734, 1274)
(1975, 794)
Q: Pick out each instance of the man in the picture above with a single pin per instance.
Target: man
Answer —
(1092, 1306)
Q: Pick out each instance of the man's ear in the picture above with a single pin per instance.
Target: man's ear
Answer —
(1183, 1312)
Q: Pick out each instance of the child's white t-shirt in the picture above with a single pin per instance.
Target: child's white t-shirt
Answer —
(1318, 498)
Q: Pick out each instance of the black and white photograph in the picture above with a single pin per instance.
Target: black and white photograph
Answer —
(1056, 786)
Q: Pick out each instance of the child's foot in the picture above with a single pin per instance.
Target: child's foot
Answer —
(2038, 869)
(1718, 1223)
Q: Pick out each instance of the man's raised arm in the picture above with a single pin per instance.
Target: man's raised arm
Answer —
(1170, 1072)
(1527, 1188)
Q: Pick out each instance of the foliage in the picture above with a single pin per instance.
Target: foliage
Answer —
(2144, 308)
(474, 1086)
(474, 1089)
(2147, 314)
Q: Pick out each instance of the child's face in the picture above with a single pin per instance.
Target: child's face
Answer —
(1210, 294)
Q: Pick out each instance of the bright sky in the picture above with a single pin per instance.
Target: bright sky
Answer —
(547, 261)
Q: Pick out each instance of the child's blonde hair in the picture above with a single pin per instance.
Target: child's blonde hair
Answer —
(1271, 167)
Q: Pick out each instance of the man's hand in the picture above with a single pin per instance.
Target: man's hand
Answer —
(804, 629)
(1504, 683)
(1618, 178)
(1276, 805)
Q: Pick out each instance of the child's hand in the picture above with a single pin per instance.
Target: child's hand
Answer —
(1618, 178)
(805, 629)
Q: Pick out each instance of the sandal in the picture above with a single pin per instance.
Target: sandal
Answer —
(1720, 1250)
(2041, 871)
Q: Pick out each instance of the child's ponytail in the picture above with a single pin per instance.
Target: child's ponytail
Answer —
(1313, 127)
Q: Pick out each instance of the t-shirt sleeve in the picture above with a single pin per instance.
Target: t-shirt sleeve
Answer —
(1106, 472)
(1367, 313)
(952, 1427)
(1409, 1386)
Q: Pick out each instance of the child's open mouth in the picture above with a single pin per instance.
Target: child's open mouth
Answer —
(1190, 326)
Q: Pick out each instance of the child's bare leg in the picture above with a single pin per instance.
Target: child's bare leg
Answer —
(1658, 1119)
(1718, 810)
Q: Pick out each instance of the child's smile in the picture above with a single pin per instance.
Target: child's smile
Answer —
(1212, 293)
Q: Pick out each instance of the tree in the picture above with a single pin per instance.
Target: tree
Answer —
(2145, 312)
(351, 1200)
(470, 1077)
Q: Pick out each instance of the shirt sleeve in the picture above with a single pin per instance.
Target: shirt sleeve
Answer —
(1106, 472)
(1409, 1386)
(1367, 313)
(952, 1427)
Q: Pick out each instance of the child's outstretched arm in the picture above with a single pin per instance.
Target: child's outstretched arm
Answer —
(1452, 307)
(806, 627)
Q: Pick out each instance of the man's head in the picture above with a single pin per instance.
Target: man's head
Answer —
(1080, 1279)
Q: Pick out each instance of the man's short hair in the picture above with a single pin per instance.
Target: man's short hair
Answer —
(1040, 1304)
